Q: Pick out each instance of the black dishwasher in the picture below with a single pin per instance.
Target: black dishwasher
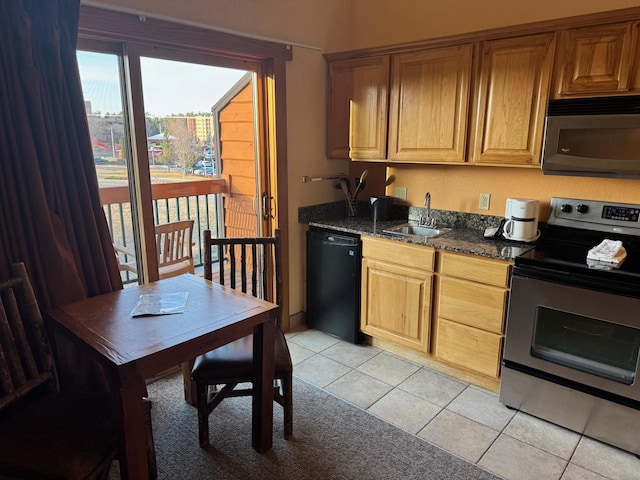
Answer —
(333, 283)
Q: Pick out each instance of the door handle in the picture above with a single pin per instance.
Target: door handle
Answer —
(266, 206)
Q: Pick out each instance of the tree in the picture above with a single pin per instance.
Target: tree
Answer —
(168, 155)
(123, 147)
(183, 145)
(153, 125)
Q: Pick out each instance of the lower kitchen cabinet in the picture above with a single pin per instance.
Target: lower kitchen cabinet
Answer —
(470, 311)
(447, 308)
(396, 292)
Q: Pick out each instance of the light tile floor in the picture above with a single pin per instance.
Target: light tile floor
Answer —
(461, 418)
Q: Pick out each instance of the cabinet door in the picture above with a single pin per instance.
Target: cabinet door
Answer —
(513, 88)
(396, 303)
(429, 105)
(596, 59)
(358, 105)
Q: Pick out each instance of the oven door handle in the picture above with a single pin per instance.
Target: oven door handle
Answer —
(573, 279)
(590, 330)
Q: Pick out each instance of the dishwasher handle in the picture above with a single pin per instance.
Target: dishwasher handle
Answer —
(334, 239)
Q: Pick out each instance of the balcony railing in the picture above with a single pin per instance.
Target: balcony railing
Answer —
(173, 201)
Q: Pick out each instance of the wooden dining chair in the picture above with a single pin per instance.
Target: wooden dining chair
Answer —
(242, 265)
(46, 433)
(174, 244)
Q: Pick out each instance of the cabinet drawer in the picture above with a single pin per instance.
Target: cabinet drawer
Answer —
(473, 304)
(393, 251)
(474, 268)
(469, 347)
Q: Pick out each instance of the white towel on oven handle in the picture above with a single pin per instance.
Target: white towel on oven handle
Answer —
(610, 251)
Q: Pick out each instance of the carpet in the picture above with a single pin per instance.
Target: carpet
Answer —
(332, 440)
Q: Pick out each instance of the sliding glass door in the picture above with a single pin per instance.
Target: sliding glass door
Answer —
(103, 90)
(171, 131)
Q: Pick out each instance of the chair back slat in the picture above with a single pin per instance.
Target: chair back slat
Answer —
(243, 267)
(207, 256)
(6, 377)
(277, 254)
(13, 343)
(254, 269)
(243, 264)
(232, 268)
(26, 360)
(221, 266)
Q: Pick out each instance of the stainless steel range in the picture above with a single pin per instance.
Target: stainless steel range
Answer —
(573, 325)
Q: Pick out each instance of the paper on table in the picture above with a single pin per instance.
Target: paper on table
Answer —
(160, 304)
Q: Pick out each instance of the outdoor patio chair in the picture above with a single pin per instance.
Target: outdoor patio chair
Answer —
(174, 244)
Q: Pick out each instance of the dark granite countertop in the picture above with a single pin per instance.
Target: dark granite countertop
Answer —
(459, 239)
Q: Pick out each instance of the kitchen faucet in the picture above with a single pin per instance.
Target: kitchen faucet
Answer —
(427, 220)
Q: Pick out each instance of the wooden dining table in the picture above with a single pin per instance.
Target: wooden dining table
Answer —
(134, 348)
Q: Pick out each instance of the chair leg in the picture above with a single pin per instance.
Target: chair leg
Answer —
(287, 393)
(203, 413)
(151, 447)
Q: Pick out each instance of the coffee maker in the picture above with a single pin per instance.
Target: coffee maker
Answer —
(521, 220)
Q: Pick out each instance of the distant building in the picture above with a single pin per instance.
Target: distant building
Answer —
(200, 127)
(204, 128)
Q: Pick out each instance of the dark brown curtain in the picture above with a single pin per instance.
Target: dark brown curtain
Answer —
(50, 213)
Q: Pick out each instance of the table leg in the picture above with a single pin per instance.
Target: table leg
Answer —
(262, 402)
(133, 455)
(188, 384)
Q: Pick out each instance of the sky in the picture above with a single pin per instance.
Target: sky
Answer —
(168, 87)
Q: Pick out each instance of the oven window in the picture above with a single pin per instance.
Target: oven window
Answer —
(587, 344)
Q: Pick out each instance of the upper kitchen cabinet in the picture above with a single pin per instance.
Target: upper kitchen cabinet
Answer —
(358, 108)
(597, 60)
(429, 105)
(512, 93)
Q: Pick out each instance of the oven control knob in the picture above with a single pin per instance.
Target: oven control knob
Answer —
(582, 208)
(566, 208)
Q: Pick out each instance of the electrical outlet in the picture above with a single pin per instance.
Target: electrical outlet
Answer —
(400, 192)
(485, 198)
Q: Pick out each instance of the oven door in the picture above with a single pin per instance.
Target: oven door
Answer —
(577, 334)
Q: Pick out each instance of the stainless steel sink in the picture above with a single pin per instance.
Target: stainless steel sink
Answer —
(410, 229)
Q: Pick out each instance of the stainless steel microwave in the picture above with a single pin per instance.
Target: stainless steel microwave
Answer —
(593, 137)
